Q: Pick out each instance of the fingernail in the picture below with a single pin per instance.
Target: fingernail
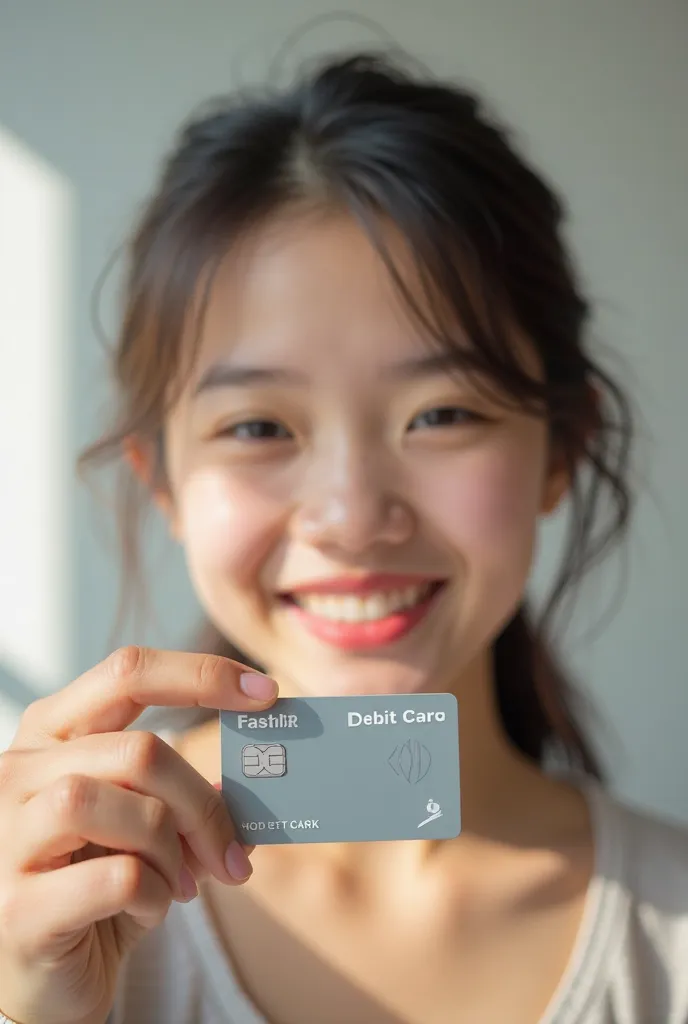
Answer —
(187, 884)
(257, 687)
(237, 863)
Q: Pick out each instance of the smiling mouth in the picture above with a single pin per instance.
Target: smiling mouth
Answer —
(363, 620)
(364, 607)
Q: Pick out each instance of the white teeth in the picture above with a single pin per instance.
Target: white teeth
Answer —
(351, 608)
(375, 607)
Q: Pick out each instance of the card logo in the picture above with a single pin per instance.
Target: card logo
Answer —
(264, 760)
(435, 812)
(411, 761)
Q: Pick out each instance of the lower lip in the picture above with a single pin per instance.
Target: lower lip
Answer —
(359, 636)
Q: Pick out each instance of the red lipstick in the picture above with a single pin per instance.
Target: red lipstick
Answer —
(369, 633)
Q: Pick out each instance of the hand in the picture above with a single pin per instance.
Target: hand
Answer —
(98, 827)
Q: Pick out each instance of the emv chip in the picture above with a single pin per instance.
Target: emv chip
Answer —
(264, 760)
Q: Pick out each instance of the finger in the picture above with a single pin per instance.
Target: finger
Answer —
(78, 809)
(247, 846)
(198, 870)
(112, 695)
(143, 762)
(48, 907)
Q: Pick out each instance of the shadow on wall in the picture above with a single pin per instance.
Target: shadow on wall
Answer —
(36, 241)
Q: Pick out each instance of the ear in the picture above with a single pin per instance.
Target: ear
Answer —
(555, 489)
(558, 479)
(142, 458)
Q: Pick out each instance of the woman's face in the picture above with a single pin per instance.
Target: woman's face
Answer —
(354, 518)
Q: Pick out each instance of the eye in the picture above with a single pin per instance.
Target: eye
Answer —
(256, 430)
(445, 416)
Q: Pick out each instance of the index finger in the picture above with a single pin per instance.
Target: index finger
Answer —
(112, 695)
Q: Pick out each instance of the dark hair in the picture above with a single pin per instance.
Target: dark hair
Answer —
(364, 134)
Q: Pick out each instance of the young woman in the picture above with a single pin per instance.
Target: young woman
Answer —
(353, 374)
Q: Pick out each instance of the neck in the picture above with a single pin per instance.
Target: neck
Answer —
(494, 775)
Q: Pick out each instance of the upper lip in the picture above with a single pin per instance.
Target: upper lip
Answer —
(361, 584)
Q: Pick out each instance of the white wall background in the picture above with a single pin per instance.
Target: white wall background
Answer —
(90, 94)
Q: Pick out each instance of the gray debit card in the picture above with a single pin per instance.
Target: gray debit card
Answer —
(343, 769)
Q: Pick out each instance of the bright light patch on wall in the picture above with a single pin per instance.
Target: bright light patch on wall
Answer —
(36, 212)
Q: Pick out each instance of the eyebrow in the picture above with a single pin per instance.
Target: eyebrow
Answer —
(222, 375)
(431, 365)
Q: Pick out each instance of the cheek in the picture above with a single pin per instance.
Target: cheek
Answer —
(226, 527)
(488, 507)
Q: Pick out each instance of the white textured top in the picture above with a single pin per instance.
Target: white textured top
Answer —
(629, 964)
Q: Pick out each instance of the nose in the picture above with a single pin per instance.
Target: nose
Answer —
(346, 505)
